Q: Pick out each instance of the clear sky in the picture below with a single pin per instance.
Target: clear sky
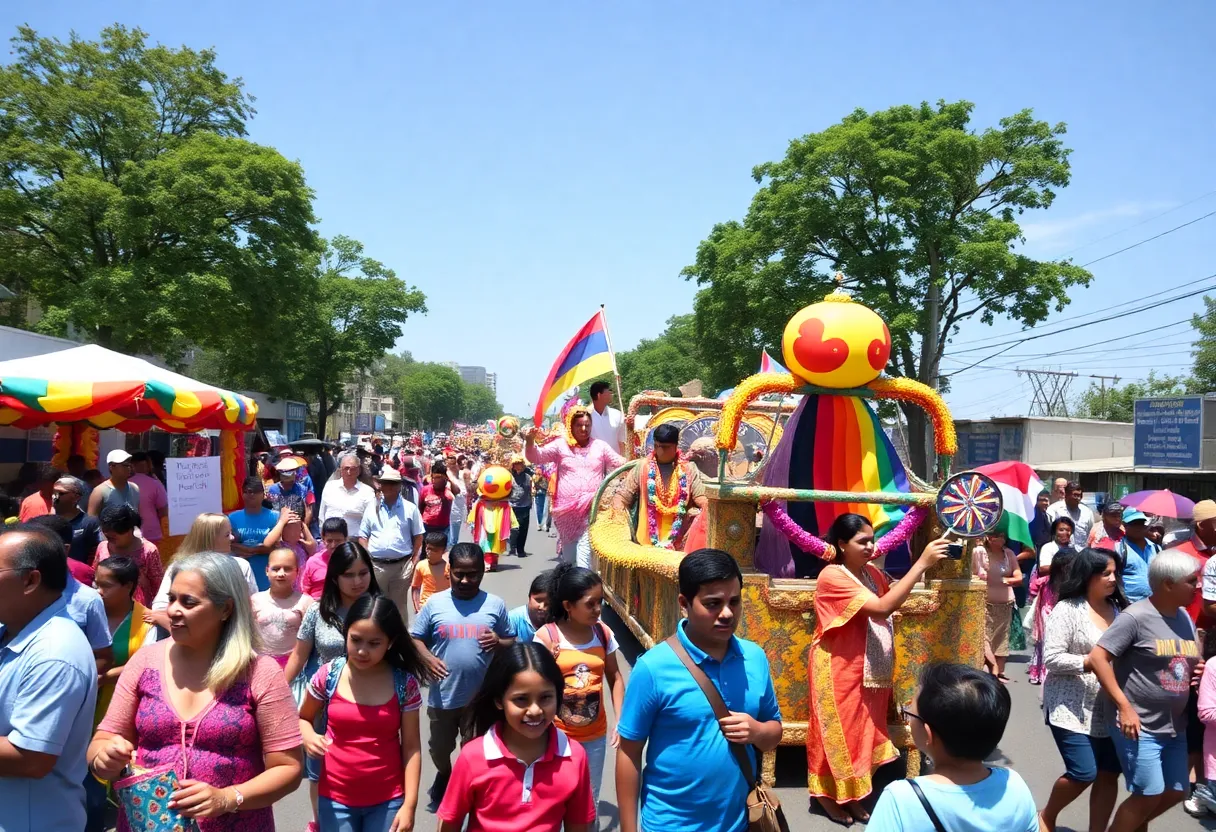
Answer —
(523, 162)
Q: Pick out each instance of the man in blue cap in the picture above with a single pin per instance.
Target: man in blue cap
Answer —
(1136, 550)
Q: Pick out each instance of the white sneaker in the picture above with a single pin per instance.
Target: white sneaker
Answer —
(1194, 808)
(1204, 797)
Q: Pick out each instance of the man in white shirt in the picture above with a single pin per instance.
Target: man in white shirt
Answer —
(1071, 506)
(607, 423)
(347, 498)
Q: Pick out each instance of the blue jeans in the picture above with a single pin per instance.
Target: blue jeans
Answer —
(596, 750)
(454, 530)
(334, 817)
(94, 803)
(1153, 764)
(541, 501)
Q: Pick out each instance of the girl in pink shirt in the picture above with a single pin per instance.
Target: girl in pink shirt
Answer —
(520, 771)
(312, 579)
(368, 738)
(278, 611)
(1207, 712)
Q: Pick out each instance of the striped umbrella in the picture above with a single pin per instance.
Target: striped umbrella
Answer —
(1163, 503)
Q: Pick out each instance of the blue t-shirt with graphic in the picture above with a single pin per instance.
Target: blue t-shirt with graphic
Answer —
(250, 530)
(449, 627)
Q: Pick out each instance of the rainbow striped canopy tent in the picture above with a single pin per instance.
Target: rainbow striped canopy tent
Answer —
(107, 389)
(83, 389)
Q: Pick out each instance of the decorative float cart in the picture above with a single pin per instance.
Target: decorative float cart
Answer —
(835, 351)
(760, 426)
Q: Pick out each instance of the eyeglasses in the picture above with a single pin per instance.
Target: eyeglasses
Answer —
(907, 713)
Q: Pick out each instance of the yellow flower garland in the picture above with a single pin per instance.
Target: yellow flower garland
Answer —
(749, 389)
(945, 440)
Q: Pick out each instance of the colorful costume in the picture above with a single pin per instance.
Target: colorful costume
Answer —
(850, 674)
(491, 516)
(663, 501)
(581, 470)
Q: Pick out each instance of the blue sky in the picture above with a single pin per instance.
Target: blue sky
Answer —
(524, 162)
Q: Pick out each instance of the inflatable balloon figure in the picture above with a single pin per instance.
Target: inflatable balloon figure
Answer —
(491, 516)
(833, 457)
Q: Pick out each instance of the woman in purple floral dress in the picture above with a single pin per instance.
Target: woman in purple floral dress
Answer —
(207, 705)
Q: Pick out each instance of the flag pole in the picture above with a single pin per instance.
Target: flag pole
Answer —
(615, 373)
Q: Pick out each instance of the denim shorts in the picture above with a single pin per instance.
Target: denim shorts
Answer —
(312, 768)
(1085, 756)
(1153, 764)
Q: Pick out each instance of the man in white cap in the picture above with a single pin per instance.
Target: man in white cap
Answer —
(289, 493)
(391, 532)
(118, 489)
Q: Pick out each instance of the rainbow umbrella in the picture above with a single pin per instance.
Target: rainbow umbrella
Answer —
(1162, 503)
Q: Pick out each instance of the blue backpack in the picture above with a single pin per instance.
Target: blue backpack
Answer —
(334, 673)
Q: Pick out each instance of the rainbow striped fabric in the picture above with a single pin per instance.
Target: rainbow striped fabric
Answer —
(768, 364)
(849, 451)
(585, 357)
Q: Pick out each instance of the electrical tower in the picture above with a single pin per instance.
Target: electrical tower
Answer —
(1051, 390)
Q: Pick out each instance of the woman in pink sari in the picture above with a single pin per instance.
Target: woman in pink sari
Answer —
(1053, 557)
(582, 464)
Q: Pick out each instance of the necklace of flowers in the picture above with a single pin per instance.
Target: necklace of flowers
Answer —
(819, 547)
(673, 502)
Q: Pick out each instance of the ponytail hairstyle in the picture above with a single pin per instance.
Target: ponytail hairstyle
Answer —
(402, 653)
(569, 583)
(486, 709)
(343, 558)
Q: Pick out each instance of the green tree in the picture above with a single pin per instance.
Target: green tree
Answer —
(432, 395)
(916, 209)
(1203, 375)
(131, 204)
(478, 403)
(1117, 403)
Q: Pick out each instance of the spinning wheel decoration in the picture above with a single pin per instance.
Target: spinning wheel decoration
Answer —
(969, 504)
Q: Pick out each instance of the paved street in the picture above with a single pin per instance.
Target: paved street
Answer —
(1028, 746)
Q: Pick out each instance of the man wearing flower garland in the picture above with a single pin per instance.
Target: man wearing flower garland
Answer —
(673, 492)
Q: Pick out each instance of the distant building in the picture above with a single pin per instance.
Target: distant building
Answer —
(476, 375)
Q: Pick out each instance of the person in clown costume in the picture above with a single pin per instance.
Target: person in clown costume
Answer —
(668, 491)
(582, 464)
(491, 518)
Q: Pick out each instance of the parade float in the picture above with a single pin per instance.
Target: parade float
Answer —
(831, 457)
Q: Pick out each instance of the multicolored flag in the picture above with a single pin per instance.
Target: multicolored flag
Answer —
(770, 365)
(586, 356)
(1020, 487)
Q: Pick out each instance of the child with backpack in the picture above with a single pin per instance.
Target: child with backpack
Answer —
(368, 734)
(585, 650)
(519, 751)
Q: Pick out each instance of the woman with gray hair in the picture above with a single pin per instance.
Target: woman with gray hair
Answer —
(206, 704)
(1145, 663)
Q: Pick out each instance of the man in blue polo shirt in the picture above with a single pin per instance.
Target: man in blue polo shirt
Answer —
(692, 782)
(48, 688)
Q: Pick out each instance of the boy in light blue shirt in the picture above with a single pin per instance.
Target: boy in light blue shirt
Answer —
(957, 721)
(527, 618)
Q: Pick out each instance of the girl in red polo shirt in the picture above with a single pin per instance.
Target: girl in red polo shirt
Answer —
(520, 771)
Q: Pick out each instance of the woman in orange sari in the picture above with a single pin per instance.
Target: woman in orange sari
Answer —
(851, 665)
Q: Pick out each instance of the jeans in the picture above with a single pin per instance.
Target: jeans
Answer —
(519, 536)
(94, 803)
(542, 500)
(334, 817)
(1153, 764)
(596, 751)
(454, 528)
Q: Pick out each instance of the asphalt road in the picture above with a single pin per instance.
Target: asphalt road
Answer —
(1027, 747)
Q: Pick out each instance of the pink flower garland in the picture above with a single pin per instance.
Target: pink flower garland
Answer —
(811, 544)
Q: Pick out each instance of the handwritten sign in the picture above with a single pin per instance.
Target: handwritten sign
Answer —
(194, 488)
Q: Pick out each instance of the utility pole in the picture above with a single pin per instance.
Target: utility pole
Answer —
(1051, 390)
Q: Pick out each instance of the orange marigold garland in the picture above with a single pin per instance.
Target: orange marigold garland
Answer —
(748, 389)
(945, 440)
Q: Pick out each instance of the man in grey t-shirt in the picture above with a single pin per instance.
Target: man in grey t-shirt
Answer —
(457, 632)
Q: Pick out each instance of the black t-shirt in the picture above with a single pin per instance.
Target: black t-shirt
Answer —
(86, 534)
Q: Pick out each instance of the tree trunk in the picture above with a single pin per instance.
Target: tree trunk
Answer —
(919, 448)
(322, 413)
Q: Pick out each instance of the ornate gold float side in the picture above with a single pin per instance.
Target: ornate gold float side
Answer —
(942, 621)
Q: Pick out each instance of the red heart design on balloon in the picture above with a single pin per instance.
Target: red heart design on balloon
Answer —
(814, 353)
(880, 350)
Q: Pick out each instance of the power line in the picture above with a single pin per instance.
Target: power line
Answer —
(1149, 239)
(1138, 224)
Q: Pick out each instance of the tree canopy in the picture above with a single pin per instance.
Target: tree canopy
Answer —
(131, 204)
(1203, 375)
(1116, 403)
(916, 209)
(432, 395)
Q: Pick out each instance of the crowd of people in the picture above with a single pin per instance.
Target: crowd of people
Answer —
(298, 637)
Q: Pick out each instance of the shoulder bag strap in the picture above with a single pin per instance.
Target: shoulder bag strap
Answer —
(555, 639)
(715, 702)
(924, 801)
